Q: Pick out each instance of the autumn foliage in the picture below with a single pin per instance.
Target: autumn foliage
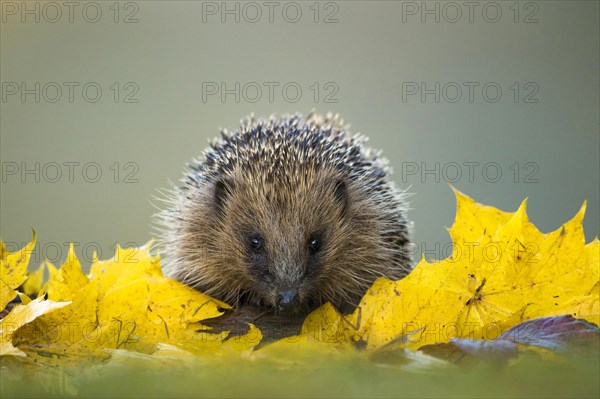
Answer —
(504, 276)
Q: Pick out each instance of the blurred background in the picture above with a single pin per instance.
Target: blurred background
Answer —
(104, 102)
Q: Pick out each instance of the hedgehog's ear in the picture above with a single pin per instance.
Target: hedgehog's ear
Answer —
(341, 194)
(223, 190)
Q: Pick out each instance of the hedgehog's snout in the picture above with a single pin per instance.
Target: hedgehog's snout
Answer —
(288, 300)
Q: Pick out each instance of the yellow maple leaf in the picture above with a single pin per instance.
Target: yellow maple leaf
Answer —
(33, 284)
(124, 304)
(473, 220)
(13, 271)
(324, 325)
(503, 271)
(63, 284)
(3, 250)
(241, 344)
(19, 316)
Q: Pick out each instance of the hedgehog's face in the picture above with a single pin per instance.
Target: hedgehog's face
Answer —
(285, 239)
(319, 222)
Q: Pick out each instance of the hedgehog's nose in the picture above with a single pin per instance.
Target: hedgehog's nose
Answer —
(288, 300)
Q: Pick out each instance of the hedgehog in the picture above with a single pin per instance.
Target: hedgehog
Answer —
(286, 213)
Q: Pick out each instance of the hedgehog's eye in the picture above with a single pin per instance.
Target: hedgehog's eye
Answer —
(256, 243)
(314, 244)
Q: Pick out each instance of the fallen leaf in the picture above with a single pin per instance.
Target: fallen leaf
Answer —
(69, 279)
(564, 335)
(503, 271)
(13, 271)
(33, 284)
(19, 316)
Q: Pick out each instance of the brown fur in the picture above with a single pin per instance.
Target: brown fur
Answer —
(286, 179)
